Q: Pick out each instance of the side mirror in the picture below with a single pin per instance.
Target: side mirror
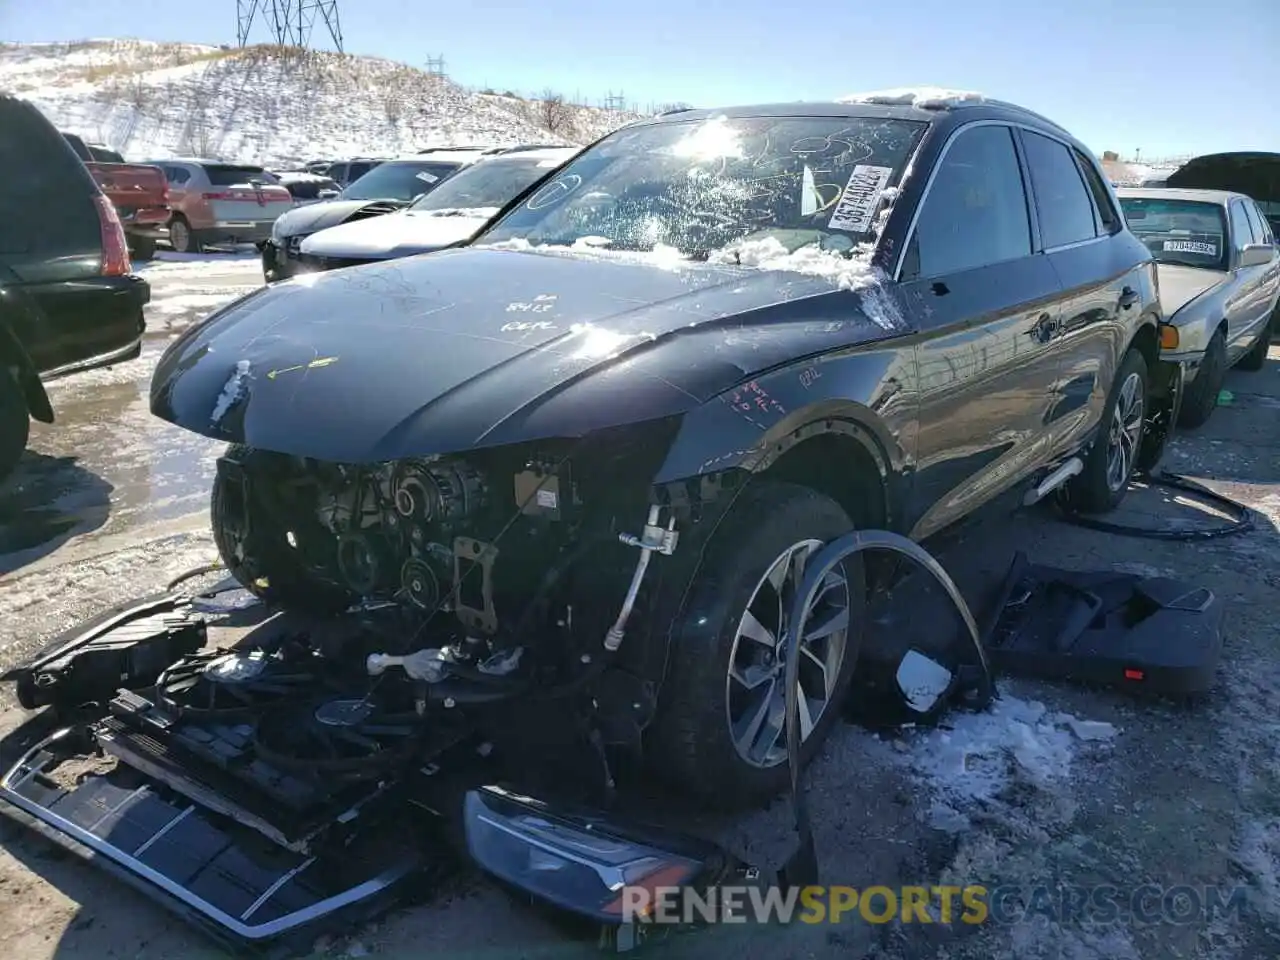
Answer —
(1256, 254)
(923, 682)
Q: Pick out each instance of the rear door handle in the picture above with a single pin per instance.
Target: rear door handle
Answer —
(1128, 297)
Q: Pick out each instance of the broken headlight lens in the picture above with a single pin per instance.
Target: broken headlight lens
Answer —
(572, 864)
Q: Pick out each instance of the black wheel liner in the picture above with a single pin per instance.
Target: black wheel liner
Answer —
(801, 869)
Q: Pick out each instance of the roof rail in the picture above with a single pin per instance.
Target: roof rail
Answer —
(524, 147)
(469, 146)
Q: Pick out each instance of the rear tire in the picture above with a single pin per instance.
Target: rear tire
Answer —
(15, 423)
(698, 742)
(1256, 358)
(1101, 486)
(256, 551)
(1202, 395)
(142, 248)
(182, 238)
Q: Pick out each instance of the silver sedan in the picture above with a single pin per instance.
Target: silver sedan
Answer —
(1219, 270)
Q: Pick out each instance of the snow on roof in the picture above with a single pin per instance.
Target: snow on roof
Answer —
(923, 98)
(301, 176)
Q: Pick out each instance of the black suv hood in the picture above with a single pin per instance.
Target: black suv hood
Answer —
(478, 347)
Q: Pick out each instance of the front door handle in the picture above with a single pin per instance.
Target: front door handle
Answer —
(1128, 297)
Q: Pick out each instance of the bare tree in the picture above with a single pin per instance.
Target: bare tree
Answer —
(138, 95)
(556, 115)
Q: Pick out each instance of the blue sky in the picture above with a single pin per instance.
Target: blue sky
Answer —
(1174, 76)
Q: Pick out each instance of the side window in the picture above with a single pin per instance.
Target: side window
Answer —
(177, 175)
(337, 172)
(1241, 231)
(358, 170)
(1062, 201)
(975, 212)
(1260, 232)
(1107, 213)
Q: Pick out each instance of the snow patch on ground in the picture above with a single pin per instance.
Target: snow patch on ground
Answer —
(983, 754)
(924, 98)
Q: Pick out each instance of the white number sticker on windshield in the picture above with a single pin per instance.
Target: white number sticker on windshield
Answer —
(857, 206)
(423, 175)
(1191, 246)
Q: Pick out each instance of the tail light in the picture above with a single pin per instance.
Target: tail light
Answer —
(115, 249)
(216, 196)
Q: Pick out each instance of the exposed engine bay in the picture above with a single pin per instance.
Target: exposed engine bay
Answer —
(505, 567)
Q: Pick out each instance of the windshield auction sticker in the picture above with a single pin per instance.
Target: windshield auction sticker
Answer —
(861, 197)
(1191, 246)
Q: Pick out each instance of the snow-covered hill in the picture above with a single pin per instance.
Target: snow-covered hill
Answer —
(270, 104)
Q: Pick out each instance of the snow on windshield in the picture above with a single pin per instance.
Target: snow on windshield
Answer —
(699, 186)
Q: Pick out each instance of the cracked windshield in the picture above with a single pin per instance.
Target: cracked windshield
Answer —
(698, 188)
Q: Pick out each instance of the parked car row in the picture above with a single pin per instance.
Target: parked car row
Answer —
(423, 202)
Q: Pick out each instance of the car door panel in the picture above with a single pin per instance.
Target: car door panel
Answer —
(986, 308)
(987, 379)
(1079, 226)
(1246, 304)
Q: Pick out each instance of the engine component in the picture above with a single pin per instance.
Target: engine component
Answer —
(475, 609)
(655, 539)
(438, 493)
(541, 493)
(352, 737)
(428, 665)
(228, 686)
(127, 647)
(359, 563)
(419, 583)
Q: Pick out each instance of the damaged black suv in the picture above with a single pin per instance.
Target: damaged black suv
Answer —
(593, 448)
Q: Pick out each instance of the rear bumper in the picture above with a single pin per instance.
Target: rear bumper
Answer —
(236, 232)
(113, 304)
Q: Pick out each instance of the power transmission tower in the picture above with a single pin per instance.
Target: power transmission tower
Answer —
(435, 66)
(615, 101)
(290, 22)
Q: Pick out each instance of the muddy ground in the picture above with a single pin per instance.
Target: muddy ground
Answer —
(1019, 797)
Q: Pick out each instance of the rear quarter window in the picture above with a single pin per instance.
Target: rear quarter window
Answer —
(228, 175)
(41, 182)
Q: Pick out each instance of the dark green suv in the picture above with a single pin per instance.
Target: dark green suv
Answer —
(69, 300)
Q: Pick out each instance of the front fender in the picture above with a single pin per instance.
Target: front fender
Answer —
(863, 393)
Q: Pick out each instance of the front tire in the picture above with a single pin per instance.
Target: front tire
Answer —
(1113, 458)
(720, 729)
(1202, 396)
(15, 423)
(255, 546)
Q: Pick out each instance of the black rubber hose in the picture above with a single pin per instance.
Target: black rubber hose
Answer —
(802, 869)
(1241, 517)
